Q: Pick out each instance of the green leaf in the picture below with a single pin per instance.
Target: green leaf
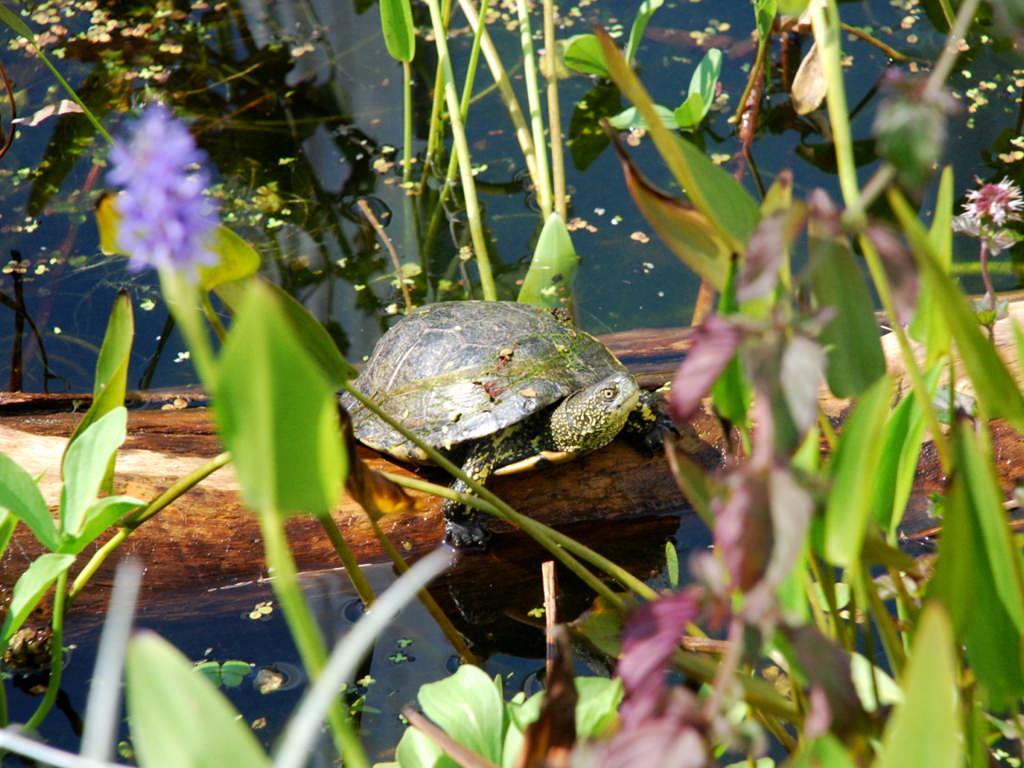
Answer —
(993, 383)
(728, 207)
(14, 22)
(848, 510)
(552, 272)
(277, 412)
(928, 325)
(685, 230)
(640, 21)
(98, 518)
(469, 708)
(30, 589)
(398, 28)
(701, 94)
(111, 379)
(236, 260)
(851, 339)
(671, 564)
(978, 574)
(925, 729)
(897, 466)
(85, 465)
(597, 705)
(583, 54)
(177, 718)
(764, 17)
(417, 750)
(731, 393)
(233, 672)
(630, 118)
(689, 114)
(314, 338)
(20, 495)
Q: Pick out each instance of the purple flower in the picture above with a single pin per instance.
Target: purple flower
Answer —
(166, 222)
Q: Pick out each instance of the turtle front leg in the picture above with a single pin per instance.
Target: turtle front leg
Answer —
(464, 527)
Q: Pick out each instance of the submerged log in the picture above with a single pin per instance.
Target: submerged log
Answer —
(209, 538)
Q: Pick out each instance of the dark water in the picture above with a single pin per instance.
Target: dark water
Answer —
(300, 110)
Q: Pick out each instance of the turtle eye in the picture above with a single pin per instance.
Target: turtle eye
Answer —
(609, 393)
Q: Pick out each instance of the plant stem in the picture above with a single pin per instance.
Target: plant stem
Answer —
(462, 150)
(407, 124)
(533, 103)
(56, 654)
(352, 569)
(304, 631)
(554, 111)
(178, 489)
(439, 616)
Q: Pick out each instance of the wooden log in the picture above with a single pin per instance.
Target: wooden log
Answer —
(209, 538)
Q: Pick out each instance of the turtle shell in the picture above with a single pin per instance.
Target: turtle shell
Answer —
(463, 370)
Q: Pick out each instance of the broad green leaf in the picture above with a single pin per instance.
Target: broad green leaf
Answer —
(764, 17)
(867, 677)
(597, 705)
(685, 230)
(689, 114)
(236, 260)
(583, 54)
(98, 518)
(552, 272)
(851, 339)
(177, 718)
(233, 672)
(701, 94)
(993, 383)
(925, 729)
(20, 495)
(897, 465)
(314, 339)
(277, 412)
(640, 21)
(928, 325)
(417, 750)
(848, 510)
(468, 707)
(630, 118)
(85, 465)
(8, 523)
(978, 573)
(399, 31)
(111, 379)
(728, 207)
(30, 588)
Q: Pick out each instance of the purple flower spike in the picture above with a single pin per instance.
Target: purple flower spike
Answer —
(166, 222)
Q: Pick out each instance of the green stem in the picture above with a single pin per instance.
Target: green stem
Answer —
(56, 655)
(304, 631)
(352, 569)
(476, 230)
(554, 112)
(178, 489)
(886, 627)
(533, 103)
(439, 616)
(70, 91)
(407, 125)
(493, 506)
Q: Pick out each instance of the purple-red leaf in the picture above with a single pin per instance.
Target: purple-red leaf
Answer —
(714, 344)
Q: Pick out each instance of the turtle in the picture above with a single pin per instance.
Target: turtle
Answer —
(497, 387)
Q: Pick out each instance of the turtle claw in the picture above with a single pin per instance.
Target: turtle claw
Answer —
(466, 534)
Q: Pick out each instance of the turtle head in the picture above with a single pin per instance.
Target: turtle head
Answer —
(592, 417)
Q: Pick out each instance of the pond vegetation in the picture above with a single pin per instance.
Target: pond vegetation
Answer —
(805, 635)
